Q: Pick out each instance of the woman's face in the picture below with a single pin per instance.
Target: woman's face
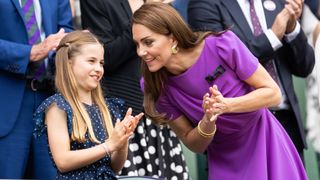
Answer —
(153, 48)
(88, 66)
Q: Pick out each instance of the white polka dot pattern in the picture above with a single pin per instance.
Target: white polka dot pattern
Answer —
(155, 151)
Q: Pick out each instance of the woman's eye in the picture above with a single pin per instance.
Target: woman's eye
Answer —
(148, 42)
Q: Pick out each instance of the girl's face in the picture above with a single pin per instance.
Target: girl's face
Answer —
(153, 48)
(88, 66)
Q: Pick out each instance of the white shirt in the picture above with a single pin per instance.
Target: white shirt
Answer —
(273, 39)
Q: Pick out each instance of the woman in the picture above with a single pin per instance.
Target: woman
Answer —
(190, 78)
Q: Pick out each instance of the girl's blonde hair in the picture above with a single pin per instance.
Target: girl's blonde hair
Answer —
(65, 81)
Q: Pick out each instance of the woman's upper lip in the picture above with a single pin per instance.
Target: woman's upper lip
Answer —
(149, 59)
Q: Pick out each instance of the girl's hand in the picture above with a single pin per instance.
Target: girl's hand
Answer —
(131, 121)
(123, 130)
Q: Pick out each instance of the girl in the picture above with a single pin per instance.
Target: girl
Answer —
(81, 136)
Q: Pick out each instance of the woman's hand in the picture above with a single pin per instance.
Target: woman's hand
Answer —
(214, 104)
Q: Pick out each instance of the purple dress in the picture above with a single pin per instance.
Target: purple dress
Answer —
(249, 145)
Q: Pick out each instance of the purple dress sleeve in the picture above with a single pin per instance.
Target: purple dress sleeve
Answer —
(236, 55)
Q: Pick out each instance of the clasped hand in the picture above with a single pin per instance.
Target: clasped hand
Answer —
(215, 104)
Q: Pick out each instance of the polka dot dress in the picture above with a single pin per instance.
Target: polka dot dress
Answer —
(98, 170)
(155, 151)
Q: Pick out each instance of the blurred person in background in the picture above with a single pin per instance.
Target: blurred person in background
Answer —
(311, 26)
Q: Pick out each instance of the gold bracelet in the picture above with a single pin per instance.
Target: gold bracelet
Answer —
(106, 149)
(206, 135)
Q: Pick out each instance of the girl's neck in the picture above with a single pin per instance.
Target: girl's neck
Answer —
(85, 97)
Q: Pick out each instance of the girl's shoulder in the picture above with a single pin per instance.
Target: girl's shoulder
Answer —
(39, 115)
(58, 99)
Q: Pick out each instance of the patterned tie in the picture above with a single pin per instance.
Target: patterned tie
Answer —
(36, 70)
(30, 21)
(257, 30)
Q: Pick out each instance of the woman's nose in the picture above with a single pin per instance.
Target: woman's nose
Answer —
(141, 52)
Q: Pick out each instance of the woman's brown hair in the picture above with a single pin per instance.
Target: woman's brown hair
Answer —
(162, 19)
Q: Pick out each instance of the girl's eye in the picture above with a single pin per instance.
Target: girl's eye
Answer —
(102, 63)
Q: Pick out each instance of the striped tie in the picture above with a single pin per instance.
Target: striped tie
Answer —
(36, 70)
(30, 21)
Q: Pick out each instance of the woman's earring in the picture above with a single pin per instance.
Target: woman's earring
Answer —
(174, 49)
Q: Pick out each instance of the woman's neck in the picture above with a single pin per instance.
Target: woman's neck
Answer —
(183, 60)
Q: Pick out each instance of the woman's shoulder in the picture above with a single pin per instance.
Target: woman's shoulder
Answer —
(225, 36)
(224, 43)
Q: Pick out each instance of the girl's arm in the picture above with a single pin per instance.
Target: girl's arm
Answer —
(59, 142)
(119, 157)
(118, 140)
(67, 159)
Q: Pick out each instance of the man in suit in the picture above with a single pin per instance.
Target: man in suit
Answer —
(314, 6)
(24, 79)
(281, 40)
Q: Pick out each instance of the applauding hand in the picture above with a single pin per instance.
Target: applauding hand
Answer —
(123, 130)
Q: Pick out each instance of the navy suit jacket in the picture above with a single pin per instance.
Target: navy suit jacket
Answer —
(15, 52)
(294, 58)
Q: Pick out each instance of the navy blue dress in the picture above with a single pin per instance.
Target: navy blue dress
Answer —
(100, 169)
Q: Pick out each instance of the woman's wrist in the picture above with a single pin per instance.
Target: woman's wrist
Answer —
(205, 133)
